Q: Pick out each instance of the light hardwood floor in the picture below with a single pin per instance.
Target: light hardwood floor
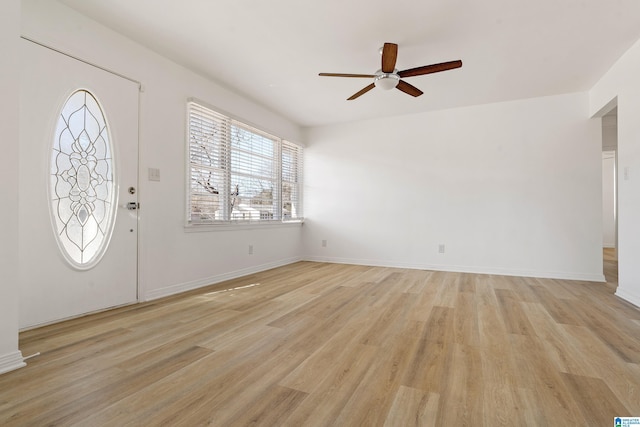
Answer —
(319, 344)
(610, 265)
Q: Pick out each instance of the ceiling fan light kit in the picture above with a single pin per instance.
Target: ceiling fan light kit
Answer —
(388, 77)
(386, 81)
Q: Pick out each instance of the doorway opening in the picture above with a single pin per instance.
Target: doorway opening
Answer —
(610, 196)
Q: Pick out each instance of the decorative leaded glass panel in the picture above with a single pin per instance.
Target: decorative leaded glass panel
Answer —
(82, 181)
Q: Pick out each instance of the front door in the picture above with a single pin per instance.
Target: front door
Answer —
(78, 187)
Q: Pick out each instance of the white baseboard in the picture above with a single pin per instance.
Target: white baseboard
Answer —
(628, 296)
(466, 269)
(212, 280)
(11, 361)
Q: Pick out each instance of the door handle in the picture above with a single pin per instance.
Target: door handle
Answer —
(132, 206)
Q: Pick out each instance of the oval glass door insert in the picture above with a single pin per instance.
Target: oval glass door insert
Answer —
(82, 181)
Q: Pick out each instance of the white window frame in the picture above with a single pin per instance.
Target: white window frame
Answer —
(218, 203)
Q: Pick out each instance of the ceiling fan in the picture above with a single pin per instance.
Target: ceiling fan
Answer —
(388, 77)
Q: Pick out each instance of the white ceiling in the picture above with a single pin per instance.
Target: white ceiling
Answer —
(272, 51)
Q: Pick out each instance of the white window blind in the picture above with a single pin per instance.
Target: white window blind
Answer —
(238, 173)
(291, 181)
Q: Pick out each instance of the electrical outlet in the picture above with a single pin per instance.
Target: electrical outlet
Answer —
(250, 249)
(324, 243)
(441, 248)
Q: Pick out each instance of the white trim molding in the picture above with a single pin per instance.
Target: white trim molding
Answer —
(11, 361)
(466, 269)
(212, 280)
(628, 296)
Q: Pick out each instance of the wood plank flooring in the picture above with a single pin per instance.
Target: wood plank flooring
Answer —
(314, 344)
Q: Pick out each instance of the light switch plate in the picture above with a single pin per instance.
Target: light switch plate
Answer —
(154, 174)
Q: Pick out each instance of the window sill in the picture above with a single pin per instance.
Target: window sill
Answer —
(232, 226)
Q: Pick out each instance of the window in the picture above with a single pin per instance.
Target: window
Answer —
(291, 168)
(238, 173)
(82, 181)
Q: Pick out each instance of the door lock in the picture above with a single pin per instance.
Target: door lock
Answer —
(132, 206)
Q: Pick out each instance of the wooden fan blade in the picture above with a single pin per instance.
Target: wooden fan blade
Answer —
(407, 88)
(428, 69)
(389, 56)
(361, 92)
(346, 75)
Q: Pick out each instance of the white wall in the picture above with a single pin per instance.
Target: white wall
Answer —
(10, 356)
(622, 85)
(509, 188)
(608, 199)
(171, 259)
